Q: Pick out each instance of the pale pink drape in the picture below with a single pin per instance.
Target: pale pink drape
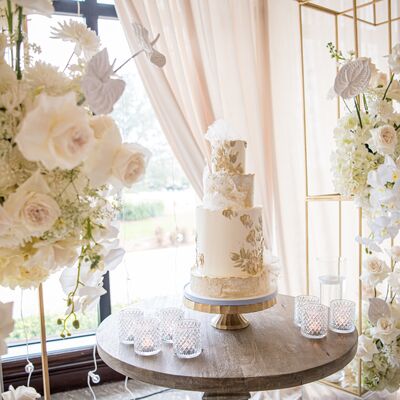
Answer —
(217, 67)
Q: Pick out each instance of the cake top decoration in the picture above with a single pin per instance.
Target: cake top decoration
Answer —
(220, 130)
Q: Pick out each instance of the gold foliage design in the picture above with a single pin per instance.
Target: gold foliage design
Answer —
(224, 158)
(229, 213)
(250, 259)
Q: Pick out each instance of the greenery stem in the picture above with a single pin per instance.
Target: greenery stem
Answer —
(358, 111)
(19, 41)
(348, 108)
(365, 103)
(388, 86)
(9, 15)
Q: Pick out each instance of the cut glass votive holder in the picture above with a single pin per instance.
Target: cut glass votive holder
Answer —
(342, 315)
(314, 324)
(187, 338)
(147, 337)
(168, 318)
(127, 319)
(299, 303)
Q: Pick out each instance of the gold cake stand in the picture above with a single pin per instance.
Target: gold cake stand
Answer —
(229, 312)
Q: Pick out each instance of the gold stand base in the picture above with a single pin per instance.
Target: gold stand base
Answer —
(230, 322)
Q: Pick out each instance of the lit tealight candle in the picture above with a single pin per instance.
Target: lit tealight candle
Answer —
(314, 324)
(342, 316)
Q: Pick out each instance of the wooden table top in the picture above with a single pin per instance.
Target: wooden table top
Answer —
(269, 354)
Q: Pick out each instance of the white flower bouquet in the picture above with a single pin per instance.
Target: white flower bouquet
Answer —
(61, 155)
(366, 166)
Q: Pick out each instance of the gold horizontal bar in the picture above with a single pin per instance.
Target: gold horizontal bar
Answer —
(358, 19)
(328, 197)
(387, 21)
(361, 6)
(351, 390)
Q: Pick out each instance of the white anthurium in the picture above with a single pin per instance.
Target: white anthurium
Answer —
(6, 325)
(378, 308)
(44, 7)
(394, 253)
(21, 393)
(394, 281)
(147, 45)
(366, 348)
(385, 330)
(375, 271)
(394, 59)
(100, 89)
(353, 78)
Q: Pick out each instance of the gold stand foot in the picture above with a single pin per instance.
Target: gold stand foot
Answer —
(230, 322)
(228, 396)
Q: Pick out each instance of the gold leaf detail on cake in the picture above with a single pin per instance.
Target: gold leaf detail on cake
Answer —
(224, 158)
(233, 158)
(229, 213)
(200, 260)
(248, 261)
(245, 219)
(232, 143)
(251, 237)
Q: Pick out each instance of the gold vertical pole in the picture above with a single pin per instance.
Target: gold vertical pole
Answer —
(305, 153)
(45, 364)
(390, 40)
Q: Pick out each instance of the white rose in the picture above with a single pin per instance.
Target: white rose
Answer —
(366, 348)
(394, 59)
(375, 271)
(129, 165)
(98, 166)
(32, 207)
(21, 393)
(383, 140)
(385, 330)
(56, 132)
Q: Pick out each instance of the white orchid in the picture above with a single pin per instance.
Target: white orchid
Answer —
(353, 78)
(21, 393)
(6, 324)
(100, 89)
(366, 348)
(394, 253)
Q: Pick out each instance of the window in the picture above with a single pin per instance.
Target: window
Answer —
(157, 216)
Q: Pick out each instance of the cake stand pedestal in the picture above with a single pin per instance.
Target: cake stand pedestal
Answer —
(229, 311)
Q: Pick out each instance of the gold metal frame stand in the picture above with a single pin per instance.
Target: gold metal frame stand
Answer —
(230, 317)
(45, 363)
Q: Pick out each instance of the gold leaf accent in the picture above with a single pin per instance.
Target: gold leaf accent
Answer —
(251, 237)
(229, 213)
(200, 259)
(245, 219)
(247, 260)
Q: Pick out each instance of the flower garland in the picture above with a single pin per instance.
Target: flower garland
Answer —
(61, 158)
(366, 165)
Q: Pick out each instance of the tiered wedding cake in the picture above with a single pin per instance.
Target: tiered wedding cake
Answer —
(230, 243)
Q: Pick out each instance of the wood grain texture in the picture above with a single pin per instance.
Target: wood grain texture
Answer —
(269, 354)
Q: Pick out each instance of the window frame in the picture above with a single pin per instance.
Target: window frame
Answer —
(69, 365)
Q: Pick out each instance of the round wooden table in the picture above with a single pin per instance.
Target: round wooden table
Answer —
(269, 354)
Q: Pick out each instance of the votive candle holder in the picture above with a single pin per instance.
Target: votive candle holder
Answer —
(127, 319)
(314, 324)
(299, 303)
(342, 315)
(169, 316)
(187, 338)
(147, 337)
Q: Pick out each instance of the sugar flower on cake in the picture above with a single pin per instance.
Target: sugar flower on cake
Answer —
(366, 348)
(6, 325)
(375, 271)
(220, 130)
(21, 393)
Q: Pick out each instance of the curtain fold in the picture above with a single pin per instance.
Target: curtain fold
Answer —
(218, 66)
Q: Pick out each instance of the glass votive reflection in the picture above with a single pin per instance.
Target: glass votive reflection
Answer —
(147, 337)
(342, 315)
(314, 324)
(127, 320)
(168, 318)
(299, 303)
(187, 338)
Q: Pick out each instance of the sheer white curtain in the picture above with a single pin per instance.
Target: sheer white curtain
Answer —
(219, 65)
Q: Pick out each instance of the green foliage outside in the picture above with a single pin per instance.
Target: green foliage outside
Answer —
(140, 211)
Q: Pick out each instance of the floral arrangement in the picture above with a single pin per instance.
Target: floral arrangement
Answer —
(61, 159)
(366, 166)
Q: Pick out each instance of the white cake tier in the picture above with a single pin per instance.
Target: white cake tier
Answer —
(230, 242)
(228, 156)
(227, 191)
(230, 288)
